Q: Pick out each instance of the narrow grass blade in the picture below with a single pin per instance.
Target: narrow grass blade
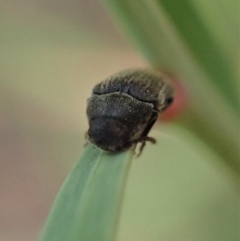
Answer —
(88, 204)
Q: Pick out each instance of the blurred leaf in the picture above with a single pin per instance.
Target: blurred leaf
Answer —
(175, 36)
(204, 43)
(88, 204)
(176, 185)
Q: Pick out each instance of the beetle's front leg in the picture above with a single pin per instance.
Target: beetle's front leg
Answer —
(142, 140)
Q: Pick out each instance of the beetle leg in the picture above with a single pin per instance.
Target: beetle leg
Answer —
(142, 145)
(142, 141)
(151, 123)
(86, 139)
(150, 139)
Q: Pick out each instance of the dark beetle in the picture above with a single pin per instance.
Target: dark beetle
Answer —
(124, 107)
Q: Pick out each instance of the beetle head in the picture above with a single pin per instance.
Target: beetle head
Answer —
(109, 134)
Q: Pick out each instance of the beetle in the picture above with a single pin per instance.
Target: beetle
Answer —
(124, 107)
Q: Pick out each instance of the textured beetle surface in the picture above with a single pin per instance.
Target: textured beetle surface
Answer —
(124, 107)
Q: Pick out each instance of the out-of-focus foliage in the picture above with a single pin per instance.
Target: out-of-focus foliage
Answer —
(174, 36)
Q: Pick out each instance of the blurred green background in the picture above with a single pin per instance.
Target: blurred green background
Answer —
(51, 55)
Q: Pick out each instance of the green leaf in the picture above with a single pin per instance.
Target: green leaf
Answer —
(88, 204)
(188, 17)
(176, 36)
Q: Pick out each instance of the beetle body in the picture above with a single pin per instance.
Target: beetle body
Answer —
(124, 107)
